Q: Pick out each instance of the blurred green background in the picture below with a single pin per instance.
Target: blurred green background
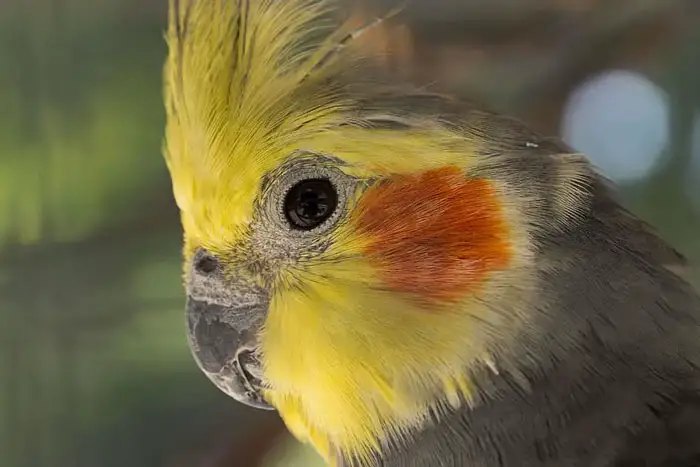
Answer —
(94, 365)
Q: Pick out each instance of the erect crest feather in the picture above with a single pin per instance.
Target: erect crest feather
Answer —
(246, 83)
(235, 98)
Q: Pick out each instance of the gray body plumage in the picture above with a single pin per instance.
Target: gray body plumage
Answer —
(610, 373)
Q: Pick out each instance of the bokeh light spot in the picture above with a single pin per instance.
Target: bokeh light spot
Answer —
(620, 120)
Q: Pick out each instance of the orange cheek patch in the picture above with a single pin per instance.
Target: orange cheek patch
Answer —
(434, 235)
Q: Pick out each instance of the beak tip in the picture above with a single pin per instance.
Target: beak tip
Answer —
(225, 353)
(234, 383)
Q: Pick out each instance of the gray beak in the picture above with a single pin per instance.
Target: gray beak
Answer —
(223, 342)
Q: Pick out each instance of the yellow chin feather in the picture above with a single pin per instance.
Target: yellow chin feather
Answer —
(348, 364)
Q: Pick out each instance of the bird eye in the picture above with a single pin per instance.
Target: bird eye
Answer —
(309, 203)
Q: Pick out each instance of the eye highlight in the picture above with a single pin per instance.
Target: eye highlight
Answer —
(309, 203)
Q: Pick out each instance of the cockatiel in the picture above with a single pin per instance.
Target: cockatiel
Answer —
(408, 279)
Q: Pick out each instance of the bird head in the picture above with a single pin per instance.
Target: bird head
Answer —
(354, 247)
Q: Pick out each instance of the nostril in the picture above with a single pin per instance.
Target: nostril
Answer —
(206, 264)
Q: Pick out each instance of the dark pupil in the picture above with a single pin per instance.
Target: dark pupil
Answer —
(309, 203)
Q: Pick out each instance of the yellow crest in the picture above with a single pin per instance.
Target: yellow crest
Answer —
(235, 101)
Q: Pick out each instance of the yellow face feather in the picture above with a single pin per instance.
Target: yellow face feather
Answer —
(349, 358)
(234, 103)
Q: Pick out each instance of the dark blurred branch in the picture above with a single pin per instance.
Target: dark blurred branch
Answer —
(257, 447)
(251, 451)
(527, 56)
(605, 35)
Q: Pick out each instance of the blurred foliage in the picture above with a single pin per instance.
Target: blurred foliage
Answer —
(81, 105)
(94, 362)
